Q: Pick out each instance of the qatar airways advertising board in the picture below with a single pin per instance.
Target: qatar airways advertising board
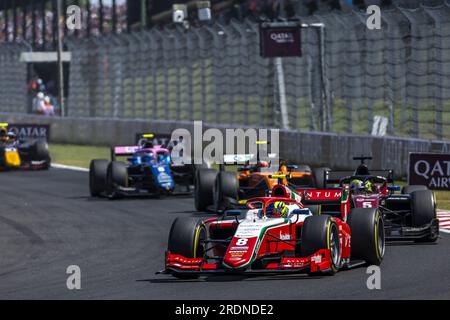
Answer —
(429, 169)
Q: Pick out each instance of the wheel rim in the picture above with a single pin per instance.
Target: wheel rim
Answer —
(200, 244)
(335, 247)
(380, 238)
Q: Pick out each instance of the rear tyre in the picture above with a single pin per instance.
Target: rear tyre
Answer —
(204, 185)
(412, 188)
(40, 151)
(97, 176)
(319, 176)
(226, 188)
(117, 176)
(367, 235)
(185, 238)
(424, 212)
(321, 232)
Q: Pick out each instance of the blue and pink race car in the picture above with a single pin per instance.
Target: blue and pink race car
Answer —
(148, 170)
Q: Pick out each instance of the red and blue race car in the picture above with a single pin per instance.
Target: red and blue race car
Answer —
(409, 215)
(276, 234)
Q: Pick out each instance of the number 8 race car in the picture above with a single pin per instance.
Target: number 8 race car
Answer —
(258, 240)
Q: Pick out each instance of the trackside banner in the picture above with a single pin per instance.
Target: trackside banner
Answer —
(430, 169)
(280, 40)
(156, 138)
(30, 131)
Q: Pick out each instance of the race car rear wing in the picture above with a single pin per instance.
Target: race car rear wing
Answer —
(334, 176)
(241, 159)
(123, 151)
(321, 196)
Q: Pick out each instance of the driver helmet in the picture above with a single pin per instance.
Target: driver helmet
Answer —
(263, 164)
(3, 134)
(146, 144)
(12, 135)
(356, 184)
(278, 209)
(369, 186)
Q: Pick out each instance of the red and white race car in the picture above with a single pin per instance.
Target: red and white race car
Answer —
(261, 240)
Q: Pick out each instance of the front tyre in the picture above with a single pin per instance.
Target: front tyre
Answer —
(412, 188)
(423, 212)
(117, 176)
(226, 188)
(319, 176)
(97, 177)
(367, 235)
(204, 184)
(186, 238)
(321, 232)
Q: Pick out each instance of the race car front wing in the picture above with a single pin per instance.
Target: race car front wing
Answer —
(320, 261)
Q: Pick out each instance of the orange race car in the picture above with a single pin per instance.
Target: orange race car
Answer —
(221, 189)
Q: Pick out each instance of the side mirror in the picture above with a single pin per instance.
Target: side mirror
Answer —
(394, 188)
(301, 211)
(233, 213)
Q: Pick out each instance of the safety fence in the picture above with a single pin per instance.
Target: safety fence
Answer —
(313, 148)
(214, 73)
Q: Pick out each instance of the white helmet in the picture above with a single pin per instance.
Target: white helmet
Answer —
(40, 95)
(356, 184)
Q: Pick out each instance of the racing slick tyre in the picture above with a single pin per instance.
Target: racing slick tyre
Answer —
(185, 238)
(367, 231)
(39, 152)
(321, 232)
(97, 177)
(423, 212)
(319, 176)
(204, 184)
(412, 188)
(226, 189)
(116, 176)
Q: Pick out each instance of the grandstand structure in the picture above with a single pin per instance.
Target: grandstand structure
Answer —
(34, 21)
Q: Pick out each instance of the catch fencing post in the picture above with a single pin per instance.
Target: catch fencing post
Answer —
(326, 115)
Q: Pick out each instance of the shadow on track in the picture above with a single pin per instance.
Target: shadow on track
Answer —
(234, 278)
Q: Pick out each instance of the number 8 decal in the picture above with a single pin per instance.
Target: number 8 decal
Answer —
(241, 242)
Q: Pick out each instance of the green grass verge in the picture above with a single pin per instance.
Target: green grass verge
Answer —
(80, 156)
(75, 155)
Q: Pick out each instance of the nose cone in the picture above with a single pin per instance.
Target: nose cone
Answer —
(240, 252)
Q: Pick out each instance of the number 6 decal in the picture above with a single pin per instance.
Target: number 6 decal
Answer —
(367, 204)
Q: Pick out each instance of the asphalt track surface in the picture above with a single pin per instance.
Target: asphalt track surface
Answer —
(48, 222)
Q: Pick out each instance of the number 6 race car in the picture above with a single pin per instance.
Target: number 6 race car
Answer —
(410, 215)
(264, 239)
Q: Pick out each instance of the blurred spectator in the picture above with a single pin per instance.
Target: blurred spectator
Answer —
(49, 109)
(39, 103)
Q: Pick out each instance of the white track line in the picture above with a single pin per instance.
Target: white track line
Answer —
(73, 168)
